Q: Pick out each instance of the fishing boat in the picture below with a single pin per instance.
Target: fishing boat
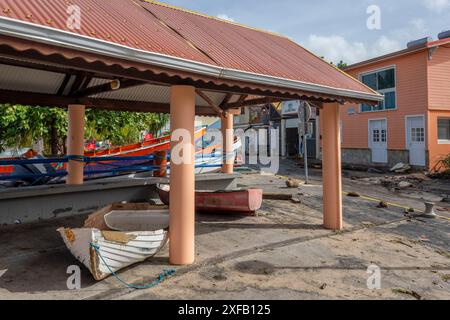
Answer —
(207, 160)
(107, 243)
(17, 173)
(141, 149)
(246, 201)
(210, 159)
(39, 170)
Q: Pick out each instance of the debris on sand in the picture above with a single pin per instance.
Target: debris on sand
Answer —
(421, 177)
(396, 181)
(371, 180)
(374, 170)
(443, 253)
(323, 286)
(277, 196)
(401, 168)
(353, 195)
(383, 205)
(446, 199)
(404, 184)
(293, 183)
(445, 277)
(407, 292)
(400, 241)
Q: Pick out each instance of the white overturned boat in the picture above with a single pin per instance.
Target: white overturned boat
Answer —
(118, 236)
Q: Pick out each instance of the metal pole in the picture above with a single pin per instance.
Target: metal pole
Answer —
(305, 148)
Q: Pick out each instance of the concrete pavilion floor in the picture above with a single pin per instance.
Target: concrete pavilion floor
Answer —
(282, 254)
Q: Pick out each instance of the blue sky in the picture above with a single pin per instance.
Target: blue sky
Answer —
(332, 28)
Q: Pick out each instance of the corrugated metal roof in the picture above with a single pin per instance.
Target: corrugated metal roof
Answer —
(151, 93)
(161, 29)
(237, 47)
(29, 80)
(119, 21)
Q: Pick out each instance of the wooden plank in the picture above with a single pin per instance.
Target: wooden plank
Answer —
(211, 103)
(227, 99)
(277, 196)
(63, 85)
(251, 102)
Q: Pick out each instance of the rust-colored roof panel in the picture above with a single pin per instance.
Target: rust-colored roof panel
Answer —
(56, 56)
(119, 21)
(242, 48)
(158, 28)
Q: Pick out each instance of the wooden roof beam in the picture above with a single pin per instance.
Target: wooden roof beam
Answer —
(50, 100)
(108, 87)
(251, 102)
(227, 99)
(208, 100)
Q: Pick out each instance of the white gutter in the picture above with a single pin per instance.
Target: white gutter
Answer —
(56, 37)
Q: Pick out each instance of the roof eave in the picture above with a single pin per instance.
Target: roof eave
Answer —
(396, 54)
(56, 37)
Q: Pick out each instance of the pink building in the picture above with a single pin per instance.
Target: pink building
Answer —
(412, 125)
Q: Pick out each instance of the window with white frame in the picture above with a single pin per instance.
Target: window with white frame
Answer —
(382, 81)
(417, 134)
(444, 129)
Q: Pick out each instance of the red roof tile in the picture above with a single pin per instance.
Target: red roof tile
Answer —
(162, 29)
(242, 48)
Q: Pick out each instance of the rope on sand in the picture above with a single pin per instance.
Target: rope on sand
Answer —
(162, 276)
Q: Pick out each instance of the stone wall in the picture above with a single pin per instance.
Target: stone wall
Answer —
(363, 158)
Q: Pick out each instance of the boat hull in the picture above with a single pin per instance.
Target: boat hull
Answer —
(105, 252)
(234, 201)
(111, 238)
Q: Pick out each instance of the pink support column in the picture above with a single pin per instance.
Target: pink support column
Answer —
(228, 140)
(75, 144)
(182, 176)
(332, 173)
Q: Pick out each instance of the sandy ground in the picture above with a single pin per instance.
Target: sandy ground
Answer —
(283, 253)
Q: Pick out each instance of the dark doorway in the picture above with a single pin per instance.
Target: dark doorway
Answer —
(292, 142)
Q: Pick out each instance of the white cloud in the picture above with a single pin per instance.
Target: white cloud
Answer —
(437, 5)
(419, 24)
(336, 48)
(225, 17)
(386, 45)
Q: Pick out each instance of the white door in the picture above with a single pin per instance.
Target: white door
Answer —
(415, 139)
(378, 140)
